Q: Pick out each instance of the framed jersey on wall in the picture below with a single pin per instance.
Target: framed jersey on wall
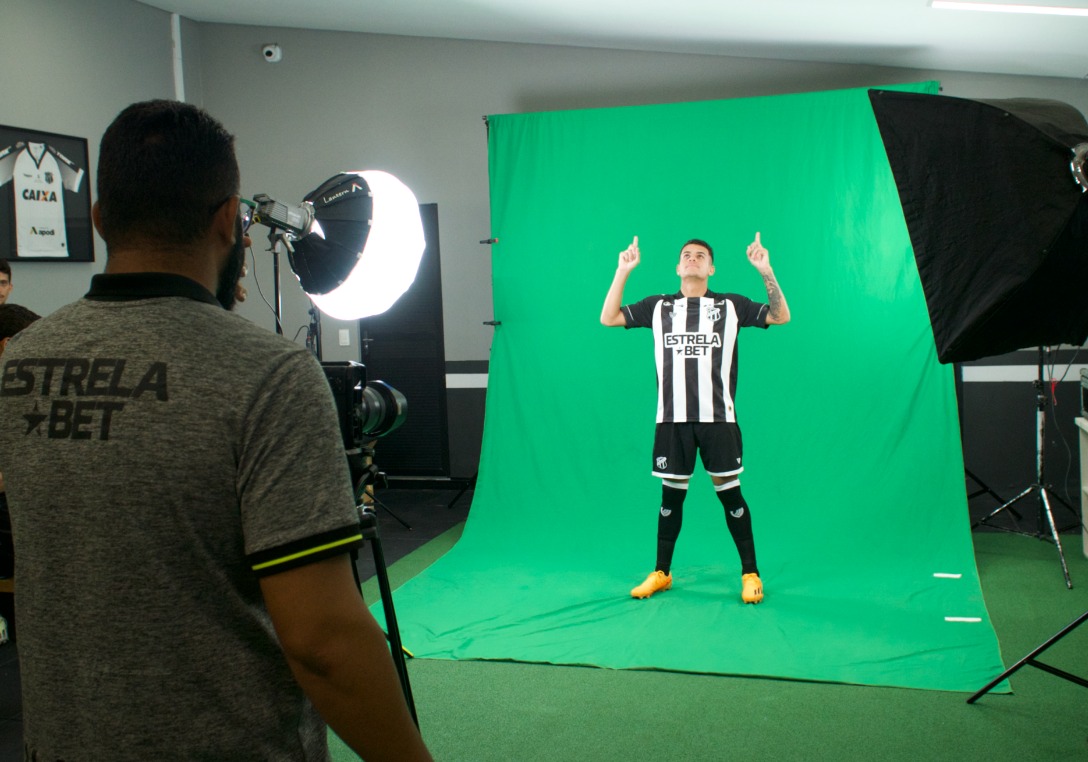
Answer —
(45, 197)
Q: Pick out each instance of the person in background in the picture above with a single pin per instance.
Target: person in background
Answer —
(181, 503)
(5, 280)
(13, 318)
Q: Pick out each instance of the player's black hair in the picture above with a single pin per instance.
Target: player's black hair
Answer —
(164, 168)
(14, 318)
(5, 267)
(700, 242)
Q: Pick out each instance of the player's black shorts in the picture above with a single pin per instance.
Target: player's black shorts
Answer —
(719, 446)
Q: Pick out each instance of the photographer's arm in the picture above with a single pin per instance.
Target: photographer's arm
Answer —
(339, 657)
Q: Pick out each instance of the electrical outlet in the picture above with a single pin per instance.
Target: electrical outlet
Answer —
(345, 338)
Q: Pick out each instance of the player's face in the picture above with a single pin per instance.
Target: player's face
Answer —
(5, 287)
(695, 262)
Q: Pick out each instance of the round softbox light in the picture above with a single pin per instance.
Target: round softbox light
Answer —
(364, 247)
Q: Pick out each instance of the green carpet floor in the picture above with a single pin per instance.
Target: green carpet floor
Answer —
(479, 711)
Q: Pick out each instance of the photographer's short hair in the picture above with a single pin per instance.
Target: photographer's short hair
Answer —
(5, 268)
(14, 318)
(164, 168)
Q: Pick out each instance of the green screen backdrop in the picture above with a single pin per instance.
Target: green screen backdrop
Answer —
(853, 467)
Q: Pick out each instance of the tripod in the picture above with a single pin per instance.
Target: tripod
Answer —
(368, 523)
(470, 484)
(363, 469)
(1030, 660)
(1039, 486)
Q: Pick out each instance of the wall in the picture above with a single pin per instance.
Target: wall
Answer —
(68, 66)
(412, 106)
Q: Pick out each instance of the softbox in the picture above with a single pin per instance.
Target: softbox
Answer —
(324, 259)
(998, 222)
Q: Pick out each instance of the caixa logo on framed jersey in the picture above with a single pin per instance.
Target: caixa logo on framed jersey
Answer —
(45, 198)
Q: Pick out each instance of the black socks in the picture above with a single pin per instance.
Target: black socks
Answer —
(739, 521)
(669, 520)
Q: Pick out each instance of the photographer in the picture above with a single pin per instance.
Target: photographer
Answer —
(180, 497)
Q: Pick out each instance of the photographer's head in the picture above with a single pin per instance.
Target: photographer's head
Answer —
(168, 185)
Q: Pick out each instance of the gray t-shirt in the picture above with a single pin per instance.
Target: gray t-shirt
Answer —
(160, 455)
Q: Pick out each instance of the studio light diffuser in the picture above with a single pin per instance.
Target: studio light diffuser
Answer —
(364, 247)
(997, 219)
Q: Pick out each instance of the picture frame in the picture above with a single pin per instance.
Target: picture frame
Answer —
(45, 197)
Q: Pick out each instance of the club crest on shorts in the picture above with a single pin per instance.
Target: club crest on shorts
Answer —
(662, 463)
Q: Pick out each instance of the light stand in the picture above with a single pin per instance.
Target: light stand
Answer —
(1031, 661)
(999, 233)
(313, 332)
(274, 238)
(1039, 486)
(354, 244)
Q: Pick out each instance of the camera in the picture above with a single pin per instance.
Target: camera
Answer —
(366, 411)
(272, 53)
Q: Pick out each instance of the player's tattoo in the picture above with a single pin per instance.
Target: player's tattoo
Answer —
(774, 295)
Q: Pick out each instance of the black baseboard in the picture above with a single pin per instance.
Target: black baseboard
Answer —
(431, 482)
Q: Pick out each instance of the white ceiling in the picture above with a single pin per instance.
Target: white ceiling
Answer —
(906, 33)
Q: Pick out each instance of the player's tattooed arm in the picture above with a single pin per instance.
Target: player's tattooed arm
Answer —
(779, 313)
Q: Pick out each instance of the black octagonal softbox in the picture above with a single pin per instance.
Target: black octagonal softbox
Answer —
(343, 208)
(997, 219)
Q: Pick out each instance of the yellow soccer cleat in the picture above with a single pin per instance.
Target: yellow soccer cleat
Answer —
(752, 591)
(656, 582)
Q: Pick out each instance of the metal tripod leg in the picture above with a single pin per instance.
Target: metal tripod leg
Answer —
(385, 508)
(368, 522)
(984, 489)
(1055, 536)
(1005, 506)
(1031, 661)
(1040, 480)
(470, 484)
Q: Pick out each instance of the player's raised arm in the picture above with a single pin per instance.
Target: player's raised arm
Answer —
(611, 314)
(779, 312)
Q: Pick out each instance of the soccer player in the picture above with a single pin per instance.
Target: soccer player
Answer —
(695, 342)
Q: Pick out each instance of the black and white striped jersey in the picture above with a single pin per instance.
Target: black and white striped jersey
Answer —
(695, 343)
(40, 174)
